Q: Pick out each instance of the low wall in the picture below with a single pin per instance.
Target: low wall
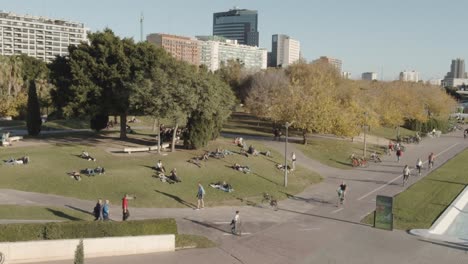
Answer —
(50, 250)
(449, 215)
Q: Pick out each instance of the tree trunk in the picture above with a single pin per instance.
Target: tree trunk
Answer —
(304, 137)
(154, 124)
(123, 126)
(174, 137)
(115, 120)
(159, 136)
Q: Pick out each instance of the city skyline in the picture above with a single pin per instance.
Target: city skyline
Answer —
(365, 35)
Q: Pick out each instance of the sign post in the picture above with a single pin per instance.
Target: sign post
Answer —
(383, 217)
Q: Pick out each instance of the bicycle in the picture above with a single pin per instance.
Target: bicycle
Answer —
(270, 200)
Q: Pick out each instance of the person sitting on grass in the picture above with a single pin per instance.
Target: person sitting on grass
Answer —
(266, 153)
(160, 167)
(281, 167)
(174, 176)
(85, 155)
(100, 170)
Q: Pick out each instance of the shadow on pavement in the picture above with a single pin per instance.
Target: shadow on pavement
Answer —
(207, 225)
(63, 215)
(307, 200)
(79, 209)
(368, 180)
(178, 199)
(325, 217)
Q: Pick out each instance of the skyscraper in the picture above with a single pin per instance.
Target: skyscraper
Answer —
(457, 69)
(237, 24)
(284, 51)
(409, 76)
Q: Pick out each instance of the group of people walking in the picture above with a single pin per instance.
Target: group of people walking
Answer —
(419, 166)
(101, 211)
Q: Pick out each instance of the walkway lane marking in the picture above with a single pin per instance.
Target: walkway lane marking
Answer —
(233, 234)
(220, 223)
(337, 210)
(309, 229)
(401, 175)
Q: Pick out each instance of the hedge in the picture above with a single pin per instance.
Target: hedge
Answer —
(84, 229)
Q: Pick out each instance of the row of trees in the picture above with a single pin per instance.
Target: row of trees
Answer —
(318, 100)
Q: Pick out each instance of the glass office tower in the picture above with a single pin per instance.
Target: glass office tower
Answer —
(237, 24)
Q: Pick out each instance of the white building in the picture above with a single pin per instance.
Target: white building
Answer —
(216, 50)
(346, 75)
(454, 82)
(38, 37)
(409, 76)
(284, 51)
(437, 82)
(369, 76)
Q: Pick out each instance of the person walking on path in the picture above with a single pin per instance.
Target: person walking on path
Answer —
(293, 159)
(431, 160)
(419, 164)
(398, 154)
(106, 211)
(235, 225)
(406, 174)
(98, 210)
(200, 196)
(125, 212)
(341, 193)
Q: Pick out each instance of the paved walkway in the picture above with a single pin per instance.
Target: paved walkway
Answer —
(309, 227)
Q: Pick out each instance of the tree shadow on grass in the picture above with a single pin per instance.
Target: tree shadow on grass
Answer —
(178, 199)
(452, 182)
(63, 215)
(79, 209)
(207, 225)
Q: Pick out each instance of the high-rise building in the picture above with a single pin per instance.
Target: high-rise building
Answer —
(409, 76)
(215, 50)
(457, 69)
(284, 51)
(39, 37)
(369, 76)
(337, 63)
(237, 24)
(182, 48)
(457, 75)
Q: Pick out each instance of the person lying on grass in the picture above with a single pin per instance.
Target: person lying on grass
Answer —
(244, 169)
(85, 155)
(18, 161)
(75, 174)
(281, 167)
(223, 186)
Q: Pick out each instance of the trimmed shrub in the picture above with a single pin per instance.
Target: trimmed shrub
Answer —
(84, 229)
(79, 253)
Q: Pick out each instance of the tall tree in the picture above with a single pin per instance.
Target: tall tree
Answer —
(33, 120)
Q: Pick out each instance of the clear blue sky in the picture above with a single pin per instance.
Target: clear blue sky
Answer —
(367, 35)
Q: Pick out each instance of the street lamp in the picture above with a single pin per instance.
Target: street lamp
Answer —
(365, 133)
(287, 125)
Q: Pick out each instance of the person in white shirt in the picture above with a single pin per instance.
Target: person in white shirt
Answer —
(406, 174)
(293, 159)
(235, 224)
(419, 166)
(160, 167)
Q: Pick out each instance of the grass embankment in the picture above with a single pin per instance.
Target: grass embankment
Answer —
(391, 133)
(422, 203)
(247, 124)
(334, 152)
(132, 173)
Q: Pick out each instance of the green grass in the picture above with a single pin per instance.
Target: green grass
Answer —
(422, 203)
(133, 174)
(390, 133)
(41, 213)
(247, 124)
(334, 153)
(193, 241)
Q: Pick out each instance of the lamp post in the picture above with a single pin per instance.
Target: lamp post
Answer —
(365, 133)
(287, 125)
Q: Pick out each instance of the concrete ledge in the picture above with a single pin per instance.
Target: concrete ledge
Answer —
(446, 219)
(50, 250)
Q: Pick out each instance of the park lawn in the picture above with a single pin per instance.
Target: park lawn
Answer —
(334, 152)
(390, 133)
(132, 174)
(184, 241)
(41, 213)
(247, 124)
(422, 203)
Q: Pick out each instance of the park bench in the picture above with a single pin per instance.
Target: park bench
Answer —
(141, 149)
(16, 138)
(163, 146)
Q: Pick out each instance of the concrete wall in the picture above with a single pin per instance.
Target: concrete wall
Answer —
(50, 250)
(449, 215)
